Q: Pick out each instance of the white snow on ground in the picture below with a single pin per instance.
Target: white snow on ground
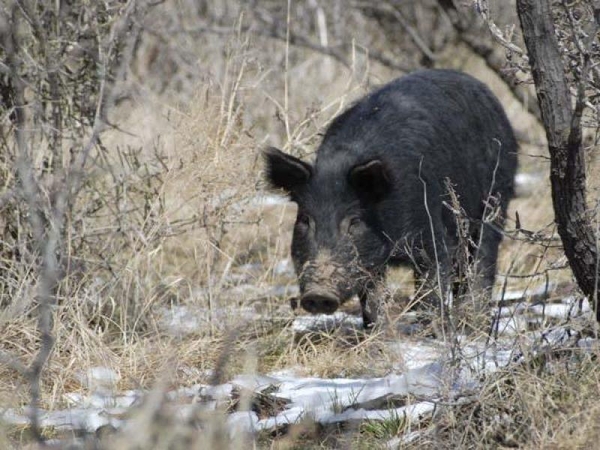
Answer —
(526, 183)
(519, 317)
(327, 323)
(98, 377)
(269, 200)
(423, 375)
(284, 268)
(538, 291)
(416, 353)
(325, 400)
(182, 319)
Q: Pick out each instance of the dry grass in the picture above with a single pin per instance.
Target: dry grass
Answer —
(550, 404)
(182, 179)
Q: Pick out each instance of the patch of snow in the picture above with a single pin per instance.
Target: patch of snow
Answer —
(11, 416)
(284, 267)
(341, 399)
(242, 422)
(525, 183)
(101, 399)
(283, 291)
(289, 372)
(254, 382)
(413, 413)
(401, 441)
(529, 178)
(518, 317)
(250, 267)
(185, 392)
(426, 369)
(557, 336)
(479, 359)
(416, 353)
(558, 310)
(98, 376)
(218, 392)
(588, 343)
(289, 416)
(269, 200)
(429, 375)
(539, 291)
(182, 320)
(326, 323)
(510, 324)
(86, 419)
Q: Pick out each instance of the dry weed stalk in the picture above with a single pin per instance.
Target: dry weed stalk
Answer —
(152, 224)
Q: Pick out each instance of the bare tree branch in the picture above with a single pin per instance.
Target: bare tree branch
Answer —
(273, 28)
(379, 8)
(487, 51)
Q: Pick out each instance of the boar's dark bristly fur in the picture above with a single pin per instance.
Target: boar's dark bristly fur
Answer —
(376, 193)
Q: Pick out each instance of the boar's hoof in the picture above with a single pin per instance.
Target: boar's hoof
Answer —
(319, 302)
(294, 303)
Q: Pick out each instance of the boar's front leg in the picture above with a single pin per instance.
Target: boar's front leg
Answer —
(371, 299)
(433, 275)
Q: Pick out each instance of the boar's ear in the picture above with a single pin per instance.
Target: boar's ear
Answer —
(371, 179)
(285, 171)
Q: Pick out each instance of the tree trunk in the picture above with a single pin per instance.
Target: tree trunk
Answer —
(562, 123)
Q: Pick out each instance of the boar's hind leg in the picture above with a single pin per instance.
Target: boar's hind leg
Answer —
(486, 257)
(433, 270)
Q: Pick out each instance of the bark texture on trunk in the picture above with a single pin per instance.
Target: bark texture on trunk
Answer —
(562, 123)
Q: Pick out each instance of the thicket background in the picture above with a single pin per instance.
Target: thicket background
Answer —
(130, 138)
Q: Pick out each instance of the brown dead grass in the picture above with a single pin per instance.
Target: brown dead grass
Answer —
(553, 406)
(198, 226)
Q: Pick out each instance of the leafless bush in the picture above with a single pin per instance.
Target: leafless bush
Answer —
(61, 65)
(129, 143)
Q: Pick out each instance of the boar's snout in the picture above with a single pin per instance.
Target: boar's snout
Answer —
(319, 302)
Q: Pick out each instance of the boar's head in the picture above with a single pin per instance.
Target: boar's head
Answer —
(338, 244)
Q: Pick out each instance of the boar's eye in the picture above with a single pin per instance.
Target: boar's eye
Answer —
(355, 225)
(303, 222)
